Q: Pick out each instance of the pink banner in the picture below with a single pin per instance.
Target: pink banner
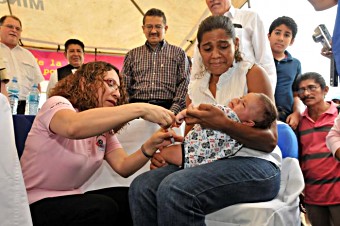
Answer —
(50, 61)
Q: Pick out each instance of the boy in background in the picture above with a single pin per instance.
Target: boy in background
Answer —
(281, 34)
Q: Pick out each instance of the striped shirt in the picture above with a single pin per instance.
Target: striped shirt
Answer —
(320, 169)
(161, 73)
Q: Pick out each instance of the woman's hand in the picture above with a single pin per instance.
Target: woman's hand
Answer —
(157, 160)
(206, 115)
(161, 138)
(157, 114)
(180, 117)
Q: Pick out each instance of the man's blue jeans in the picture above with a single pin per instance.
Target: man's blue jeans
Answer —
(182, 197)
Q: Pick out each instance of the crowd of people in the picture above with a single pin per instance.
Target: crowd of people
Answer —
(241, 81)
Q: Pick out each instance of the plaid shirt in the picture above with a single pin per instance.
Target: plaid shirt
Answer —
(157, 74)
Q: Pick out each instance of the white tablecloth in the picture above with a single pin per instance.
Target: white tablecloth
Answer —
(14, 208)
(131, 137)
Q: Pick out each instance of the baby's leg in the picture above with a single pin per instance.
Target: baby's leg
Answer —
(173, 154)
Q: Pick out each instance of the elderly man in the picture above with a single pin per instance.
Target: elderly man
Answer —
(249, 28)
(18, 61)
(157, 72)
(74, 53)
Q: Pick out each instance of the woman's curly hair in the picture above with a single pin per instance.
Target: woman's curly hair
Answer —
(81, 88)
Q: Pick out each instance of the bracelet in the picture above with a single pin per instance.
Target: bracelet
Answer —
(144, 152)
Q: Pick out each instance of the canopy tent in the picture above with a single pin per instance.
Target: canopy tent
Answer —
(105, 26)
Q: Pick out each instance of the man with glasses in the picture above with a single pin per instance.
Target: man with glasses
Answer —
(19, 61)
(321, 171)
(74, 53)
(157, 72)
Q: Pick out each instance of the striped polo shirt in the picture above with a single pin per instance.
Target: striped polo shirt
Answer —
(320, 169)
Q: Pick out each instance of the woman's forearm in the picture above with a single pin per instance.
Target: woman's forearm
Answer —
(92, 122)
(126, 165)
(260, 139)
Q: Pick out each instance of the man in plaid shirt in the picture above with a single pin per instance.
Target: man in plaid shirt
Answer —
(157, 72)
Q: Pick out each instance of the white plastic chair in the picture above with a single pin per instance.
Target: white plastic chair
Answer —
(284, 209)
(281, 211)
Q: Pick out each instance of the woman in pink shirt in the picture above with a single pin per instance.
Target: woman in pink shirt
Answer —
(71, 136)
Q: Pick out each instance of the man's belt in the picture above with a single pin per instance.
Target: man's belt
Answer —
(164, 103)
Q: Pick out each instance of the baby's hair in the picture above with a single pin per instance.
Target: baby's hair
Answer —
(268, 112)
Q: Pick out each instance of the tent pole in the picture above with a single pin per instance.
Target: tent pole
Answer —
(137, 6)
(9, 7)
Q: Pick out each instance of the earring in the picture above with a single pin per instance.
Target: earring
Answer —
(237, 54)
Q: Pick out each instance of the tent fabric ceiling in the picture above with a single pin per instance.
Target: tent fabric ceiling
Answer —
(107, 26)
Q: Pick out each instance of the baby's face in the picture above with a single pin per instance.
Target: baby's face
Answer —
(245, 107)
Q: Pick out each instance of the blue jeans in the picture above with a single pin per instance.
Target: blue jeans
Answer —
(173, 196)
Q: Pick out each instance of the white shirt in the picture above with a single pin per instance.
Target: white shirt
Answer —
(21, 63)
(254, 44)
(231, 84)
(333, 137)
(3, 72)
(54, 80)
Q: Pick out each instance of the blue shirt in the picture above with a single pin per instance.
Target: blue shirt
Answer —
(336, 41)
(287, 70)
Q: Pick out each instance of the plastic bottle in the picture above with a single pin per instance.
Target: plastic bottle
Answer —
(13, 94)
(33, 100)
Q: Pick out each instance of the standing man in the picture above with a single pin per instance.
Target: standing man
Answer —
(74, 53)
(252, 34)
(320, 170)
(157, 72)
(19, 61)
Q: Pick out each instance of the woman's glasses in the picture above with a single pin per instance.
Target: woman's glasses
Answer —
(112, 84)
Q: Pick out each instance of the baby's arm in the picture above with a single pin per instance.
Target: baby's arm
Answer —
(180, 117)
(173, 154)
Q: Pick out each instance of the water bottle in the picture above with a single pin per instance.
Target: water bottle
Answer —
(33, 100)
(13, 94)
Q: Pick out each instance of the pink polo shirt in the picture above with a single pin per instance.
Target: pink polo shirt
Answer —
(53, 165)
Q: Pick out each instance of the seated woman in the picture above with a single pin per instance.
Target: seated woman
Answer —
(71, 136)
(172, 196)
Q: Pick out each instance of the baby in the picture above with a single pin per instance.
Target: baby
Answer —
(201, 146)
